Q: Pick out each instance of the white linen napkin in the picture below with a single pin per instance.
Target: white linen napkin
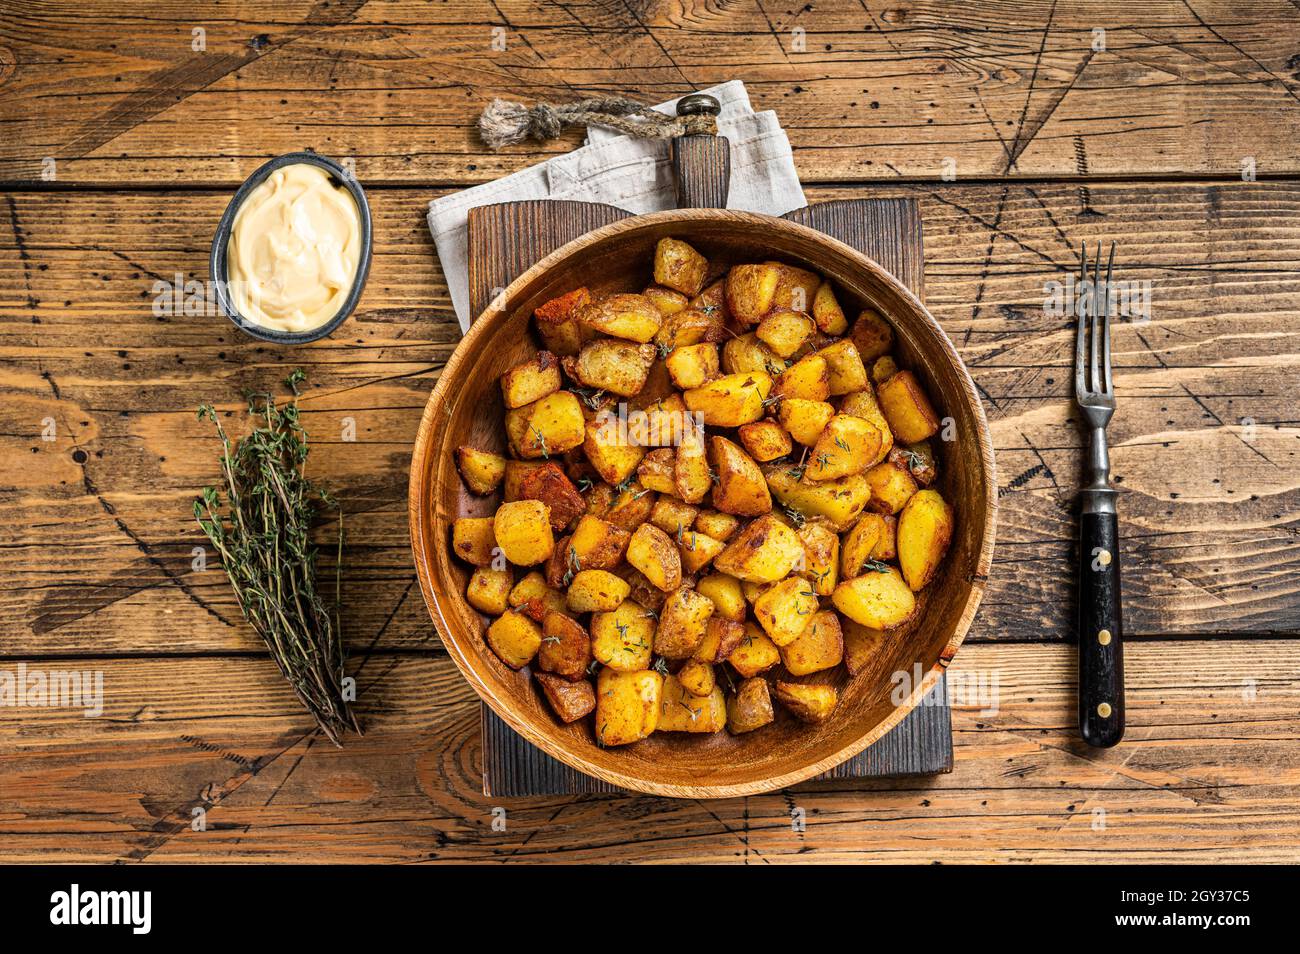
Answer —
(632, 174)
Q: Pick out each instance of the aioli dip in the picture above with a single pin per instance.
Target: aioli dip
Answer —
(294, 249)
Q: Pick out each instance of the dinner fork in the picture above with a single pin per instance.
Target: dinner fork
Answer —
(1101, 630)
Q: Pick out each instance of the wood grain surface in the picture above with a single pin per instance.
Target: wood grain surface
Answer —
(1053, 143)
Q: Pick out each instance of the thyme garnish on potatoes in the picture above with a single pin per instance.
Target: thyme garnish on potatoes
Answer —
(261, 532)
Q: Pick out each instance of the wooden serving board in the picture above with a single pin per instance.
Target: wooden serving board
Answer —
(504, 241)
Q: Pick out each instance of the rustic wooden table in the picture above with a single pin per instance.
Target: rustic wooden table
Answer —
(1171, 127)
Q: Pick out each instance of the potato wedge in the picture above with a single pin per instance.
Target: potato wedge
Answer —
(696, 677)
(796, 288)
(682, 623)
(474, 540)
(534, 598)
(482, 471)
(756, 653)
(557, 325)
(844, 368)
(630, 507)
(551, 486)
(907, 408)
(721, 637)
(746, 353)
(821, 549)
(692, 478)
(596, 591)
(827, 311)
(516, 472)
(623, 638)
(655, 472)
(750, 708)
(627, 705)
(515, 639)
(628, 316)
(784, 332)
(807, 702)
(698, 550)
(784, 610)
(839, 501)
(731, 400)
(668, 301)
(740, 489)
(924, 532)
(846, 446)
(565, 649)
(764, 552)
(820, 646)
(891, 487)
(883, 369)
(673, 516)
(887, 545)
(606, 364)
(523, 532)
(859, 544)
(489, 590)
(692, 365)
(654, 553)
(863, 404)
(532, 380)
(919, 460)
(880, 599)
(807, 378)
(679, 266)
(861, 644)
(716, 524)
(751, 290)
(727, 596)
(597, 544)
(804, 419)
(765, 440)
(546, 428)
(872, 335)
(610, 451)
(570, 701)
(682, 710)
(691, 326)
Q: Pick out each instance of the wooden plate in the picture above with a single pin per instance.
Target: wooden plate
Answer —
(466, 408)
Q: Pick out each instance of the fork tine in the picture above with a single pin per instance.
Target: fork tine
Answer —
(1080, 387)
(1094, 325)
(1105, 325)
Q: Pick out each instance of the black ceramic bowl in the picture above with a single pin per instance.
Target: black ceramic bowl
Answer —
(221, 242)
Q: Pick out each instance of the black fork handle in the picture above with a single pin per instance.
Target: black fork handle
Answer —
(1101, 628)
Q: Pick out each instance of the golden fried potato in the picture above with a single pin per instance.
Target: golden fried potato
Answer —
(597, 544)
(845, 371)
(883, 369)
(751, 290)
(820, 646)
(516, 472)
(887, 545)
(608, 364)
(569, 700)
(613, 456)
(532, 380)
(596, 591)
(872, 335)
(863, 404)
(750, 708)
(673, 516)
(679, 266)
(691, 326)
(784, 610)
(721, 636)
(696, 677)
(907, 408)
(655, 472)
(623, 638)
(795, 289)
(765, 440)
(681, 710)
(740, 488)
(627, 705)
(821, 549)
(924, 532)
(880, 599)
(827, 311)
(919, 460)
(546, 428)
(756, 653)
(692, 365)
(698, 550)
(891, 487)
(557, 325)
(523, 532)
(731, 400)
(859, 545)
(515, 639)
(808, 703)
(807, 378)
(628, 316)
(565, 648)
(482, 471)
(726, 594)
(551, 486)
(861, 644)
(784, 332)
(489, 590)
(746, 353)
(668, 302)
(692, 478)
(654, 553)
(764, 552)
(534, 598)
(630, 506)
(839, 501)
(682, 623)
(716, 524)
(846, 446)
(473, 540)
(804, 419)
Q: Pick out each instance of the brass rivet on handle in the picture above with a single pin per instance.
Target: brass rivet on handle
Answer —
(1103, 557)
(1103, 710)
(1103, 637)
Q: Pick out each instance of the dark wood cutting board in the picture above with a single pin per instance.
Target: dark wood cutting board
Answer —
(504, 241)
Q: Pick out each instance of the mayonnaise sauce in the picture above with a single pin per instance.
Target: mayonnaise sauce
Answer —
(294, 250)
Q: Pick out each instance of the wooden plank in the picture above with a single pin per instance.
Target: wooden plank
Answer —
(94, 551)
(1033, 88)
(1210, 771)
